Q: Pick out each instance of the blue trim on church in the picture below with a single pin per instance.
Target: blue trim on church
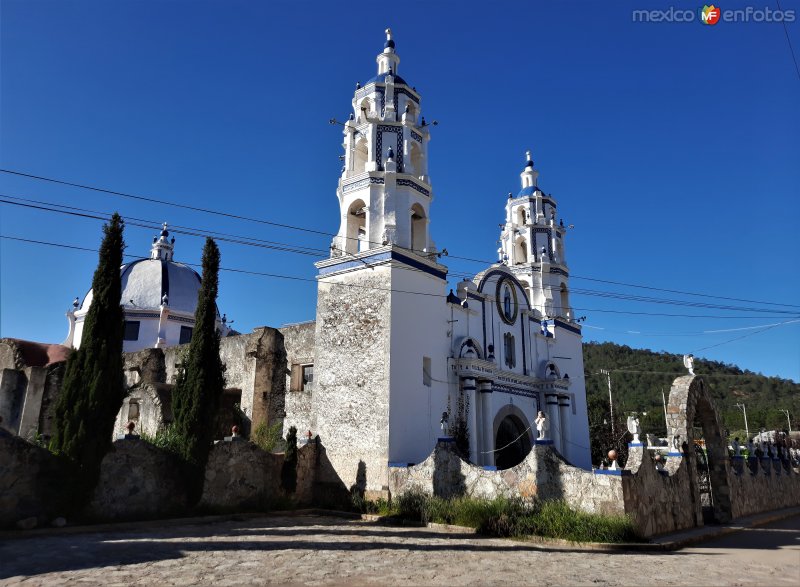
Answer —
(560, 324)
(383, 256)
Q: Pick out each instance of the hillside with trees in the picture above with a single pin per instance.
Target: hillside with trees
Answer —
(638, 378)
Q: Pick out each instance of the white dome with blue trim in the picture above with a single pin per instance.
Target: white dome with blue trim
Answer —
(159, 299)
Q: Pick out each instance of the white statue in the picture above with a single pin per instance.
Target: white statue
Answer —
(542, 425)
(688, 362)
(634, 427)
(737, 449)
(676, 443)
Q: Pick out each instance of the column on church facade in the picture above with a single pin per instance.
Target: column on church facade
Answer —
(551, 406)
(564, 409)
(487, 433)
(469, 388)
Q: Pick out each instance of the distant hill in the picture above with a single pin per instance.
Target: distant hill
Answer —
(639, 376)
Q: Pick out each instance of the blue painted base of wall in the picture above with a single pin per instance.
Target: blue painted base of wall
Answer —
(632, 444)
(615, 472)
(674, 454)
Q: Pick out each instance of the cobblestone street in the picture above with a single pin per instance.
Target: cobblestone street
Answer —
(321, 550)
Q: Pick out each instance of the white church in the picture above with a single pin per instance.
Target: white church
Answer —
(396, 360)
(393, 351)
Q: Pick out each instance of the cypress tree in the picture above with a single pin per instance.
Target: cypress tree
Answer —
(93, 387)
(197, 392)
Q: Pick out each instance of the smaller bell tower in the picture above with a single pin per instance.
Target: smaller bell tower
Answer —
(532, 246)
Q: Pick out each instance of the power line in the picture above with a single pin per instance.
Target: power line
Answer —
(329, 234)
(313, 280)
(788, 40)
(285, 247)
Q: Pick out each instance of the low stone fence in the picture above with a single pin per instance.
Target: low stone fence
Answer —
(141, 481)
(657, 500)
(543, 475)
(763, 488)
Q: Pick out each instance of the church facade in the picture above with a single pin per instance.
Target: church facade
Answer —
(398, 362)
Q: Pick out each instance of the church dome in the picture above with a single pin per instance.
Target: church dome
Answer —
(159, 299)
(146, 281)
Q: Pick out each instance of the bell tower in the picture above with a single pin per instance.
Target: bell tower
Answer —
(381, 297)
(384, 190)
(532, 246)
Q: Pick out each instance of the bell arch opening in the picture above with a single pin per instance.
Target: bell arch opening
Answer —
(419, 240)
(356, 227)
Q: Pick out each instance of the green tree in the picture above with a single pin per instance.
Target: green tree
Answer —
(289, 470)
(200, 381)
(93, 388)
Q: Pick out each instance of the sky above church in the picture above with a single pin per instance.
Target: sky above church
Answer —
(672, 148)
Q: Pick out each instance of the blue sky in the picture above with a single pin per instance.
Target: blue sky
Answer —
(673, 149)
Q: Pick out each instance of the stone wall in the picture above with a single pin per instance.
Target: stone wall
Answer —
(542, 475)
(29, 484)
(30, 378)
(350, 400)
(298, 340)
(241, 476)
(137, 481)
(141, 481)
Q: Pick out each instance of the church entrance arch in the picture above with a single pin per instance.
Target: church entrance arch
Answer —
(697, 430)
(512, 437)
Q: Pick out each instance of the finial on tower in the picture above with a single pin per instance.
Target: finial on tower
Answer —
(530, 159)
(389, 42)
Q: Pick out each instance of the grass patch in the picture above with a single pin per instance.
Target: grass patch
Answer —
(166, 438)
(267, 438)
(508, 517)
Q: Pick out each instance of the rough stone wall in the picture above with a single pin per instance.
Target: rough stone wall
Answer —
(267, 350)
(28, 481)
(350, 400)
(543, 475)
(768, 488)
(239, 475)
(298, 341)
(658, 501)
(137, 480)
(52, 389)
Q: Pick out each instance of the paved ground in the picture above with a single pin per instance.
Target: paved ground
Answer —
(321, 550)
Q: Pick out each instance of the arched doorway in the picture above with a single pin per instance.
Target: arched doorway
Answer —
(513, 440)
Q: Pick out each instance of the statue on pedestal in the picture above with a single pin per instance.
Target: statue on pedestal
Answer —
(542, 425)
(634, 427)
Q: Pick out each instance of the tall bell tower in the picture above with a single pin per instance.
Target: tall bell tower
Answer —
(381, 295)
(532, 246)
(384, 191)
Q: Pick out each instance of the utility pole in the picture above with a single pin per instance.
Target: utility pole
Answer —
(607, 373)
(744, 411)
(787, 418)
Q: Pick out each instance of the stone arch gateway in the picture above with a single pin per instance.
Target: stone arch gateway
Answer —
(690, 403)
